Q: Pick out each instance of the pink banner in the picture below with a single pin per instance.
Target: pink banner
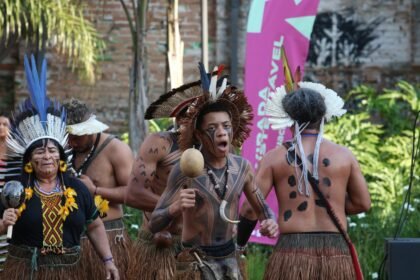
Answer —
(271, 25)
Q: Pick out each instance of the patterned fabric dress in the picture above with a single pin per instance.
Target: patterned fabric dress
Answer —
(44, 246)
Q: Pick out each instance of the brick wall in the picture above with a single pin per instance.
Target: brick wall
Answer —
(398, 56)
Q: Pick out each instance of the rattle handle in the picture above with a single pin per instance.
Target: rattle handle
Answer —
(9, 232)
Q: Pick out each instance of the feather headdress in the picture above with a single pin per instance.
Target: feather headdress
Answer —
(214, 92)
(280, 119)
(172, 103)
(36, 118)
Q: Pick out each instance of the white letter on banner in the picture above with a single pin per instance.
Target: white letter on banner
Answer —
(263, 94)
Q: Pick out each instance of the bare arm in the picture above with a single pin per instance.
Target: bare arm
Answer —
(121, 159)
(264, 181)
(358, 197)
(255, 197)
(172, 201)
(139, 193)
(98, 238)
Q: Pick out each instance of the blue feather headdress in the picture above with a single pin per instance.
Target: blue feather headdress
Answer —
(36, 118)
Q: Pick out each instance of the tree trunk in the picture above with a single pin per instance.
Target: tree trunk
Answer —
(138, 102)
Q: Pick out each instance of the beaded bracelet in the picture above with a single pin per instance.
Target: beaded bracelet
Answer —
(108, 259)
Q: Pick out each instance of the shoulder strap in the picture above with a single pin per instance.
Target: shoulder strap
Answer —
(315, 185)
(97, 151)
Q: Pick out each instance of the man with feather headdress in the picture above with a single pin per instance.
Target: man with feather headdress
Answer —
(153, 255)
(207, 204)
(317, 183)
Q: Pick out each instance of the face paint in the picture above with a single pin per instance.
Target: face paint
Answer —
(216, 131)
(45, 160)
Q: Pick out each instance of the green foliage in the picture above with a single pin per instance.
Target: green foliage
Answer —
(160, 124)
(60, 22)
(378, 130)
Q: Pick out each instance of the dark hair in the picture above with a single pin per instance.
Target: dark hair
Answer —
(43, 143)
(26, 178)
(211, 108)
(305, 105)
(4, 114)
(77, 111)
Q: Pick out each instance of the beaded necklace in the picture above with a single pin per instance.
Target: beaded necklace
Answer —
(79, 171)
(56, 189)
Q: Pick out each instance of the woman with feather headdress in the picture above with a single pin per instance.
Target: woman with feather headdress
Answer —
(57, 208)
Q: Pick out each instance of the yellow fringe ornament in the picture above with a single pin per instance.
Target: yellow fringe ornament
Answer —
(28, 195)
(70, 203)
(102, 205)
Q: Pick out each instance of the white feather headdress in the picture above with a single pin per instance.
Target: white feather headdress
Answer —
(280, 119)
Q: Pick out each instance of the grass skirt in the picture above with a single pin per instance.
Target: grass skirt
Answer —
(120, 245)
(25, 263)
(151, 262)
(188, 267)
(311, 256)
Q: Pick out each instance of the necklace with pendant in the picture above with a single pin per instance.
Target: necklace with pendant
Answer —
(220, 190)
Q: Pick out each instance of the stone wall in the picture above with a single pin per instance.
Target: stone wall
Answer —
(398, 56)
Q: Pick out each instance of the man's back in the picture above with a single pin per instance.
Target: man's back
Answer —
(339, 176)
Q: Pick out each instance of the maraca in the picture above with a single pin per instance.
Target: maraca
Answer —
(12, 196)
(192, 163)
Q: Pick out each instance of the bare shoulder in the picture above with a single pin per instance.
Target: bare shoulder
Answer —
(338, 153)
(274, 157)
(118, 147)
(338, 150)
(240, 161)
(160, 140)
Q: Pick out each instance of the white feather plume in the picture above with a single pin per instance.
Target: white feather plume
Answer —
(213, 85)
(278, 118)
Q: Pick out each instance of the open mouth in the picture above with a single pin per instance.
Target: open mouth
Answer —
(222, 145)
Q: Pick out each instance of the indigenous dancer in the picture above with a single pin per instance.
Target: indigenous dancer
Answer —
(103, 163)
(154, 255)
(4, 132)
(57, 208)
(214, 120)
(317, 182)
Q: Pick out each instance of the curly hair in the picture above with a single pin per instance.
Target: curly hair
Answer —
(77, 111)
(305, 106)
